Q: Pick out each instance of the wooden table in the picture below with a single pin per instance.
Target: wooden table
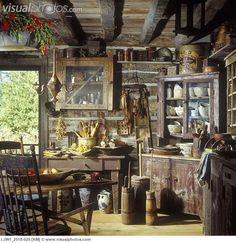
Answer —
(70, 183)
(101, 163)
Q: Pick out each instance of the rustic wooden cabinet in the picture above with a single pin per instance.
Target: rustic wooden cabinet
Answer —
(174, 183)
(184, 100)
(230, 63)
(220, 198)
(87, 83)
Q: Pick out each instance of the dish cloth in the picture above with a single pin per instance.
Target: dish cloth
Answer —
(204, 168)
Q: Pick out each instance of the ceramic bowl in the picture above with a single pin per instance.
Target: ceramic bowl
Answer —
(179, 110)
(170, 110)
(191, 92)
(204, 110)
(174, 129)
(200, 91)
(186, 149)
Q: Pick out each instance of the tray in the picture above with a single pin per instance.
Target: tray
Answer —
(166, 152)
(119, 150)
(44, 178)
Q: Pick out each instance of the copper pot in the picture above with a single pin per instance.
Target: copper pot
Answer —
(209, 69)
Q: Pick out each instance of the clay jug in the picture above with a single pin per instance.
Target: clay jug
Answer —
(104, 199)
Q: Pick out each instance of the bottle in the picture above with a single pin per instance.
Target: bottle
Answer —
(169, 91)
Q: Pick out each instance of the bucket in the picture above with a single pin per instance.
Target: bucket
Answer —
(190, 58)
(88, 142)
(127, 205)
(151, 212)
(141, 185)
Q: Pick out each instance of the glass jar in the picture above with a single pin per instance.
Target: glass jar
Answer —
(169, 91)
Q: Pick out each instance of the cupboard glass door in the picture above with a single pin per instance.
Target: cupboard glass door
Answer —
(88, 86)
(198, 106)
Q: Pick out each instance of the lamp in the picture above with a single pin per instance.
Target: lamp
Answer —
(185, 8)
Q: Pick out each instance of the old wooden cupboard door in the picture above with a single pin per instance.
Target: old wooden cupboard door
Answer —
(174, 182)
(184, 184)
(160, 179)
(87, 83)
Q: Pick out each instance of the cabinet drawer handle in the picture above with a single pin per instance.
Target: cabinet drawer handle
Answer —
(228, 175)
(87, 166)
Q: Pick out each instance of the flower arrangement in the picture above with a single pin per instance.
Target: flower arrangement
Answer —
(16, 23)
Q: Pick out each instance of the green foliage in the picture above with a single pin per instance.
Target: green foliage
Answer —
(18, 102)
(15, 23)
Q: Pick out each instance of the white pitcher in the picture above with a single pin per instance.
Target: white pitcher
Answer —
(104, 201)
(178, 91)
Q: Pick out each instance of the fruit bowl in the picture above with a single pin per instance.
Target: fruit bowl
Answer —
(44, 178)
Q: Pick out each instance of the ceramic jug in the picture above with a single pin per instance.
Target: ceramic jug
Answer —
(104, 199)
(178, 91)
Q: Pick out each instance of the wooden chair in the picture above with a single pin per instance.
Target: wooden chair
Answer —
(12, 147)
(23, 214)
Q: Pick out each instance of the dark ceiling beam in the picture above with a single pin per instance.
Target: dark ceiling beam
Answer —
(119, 7)
(107, 8)
(213, 15)
(156, 20)
(227, 13)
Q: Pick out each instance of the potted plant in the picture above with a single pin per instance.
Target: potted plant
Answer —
(16, 25)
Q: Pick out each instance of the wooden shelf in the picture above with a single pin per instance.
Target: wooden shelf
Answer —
(199, 97)
(174, 98)
(177, 135)
(147, 62)
(174, 117)
(224, 51)
(146, 84)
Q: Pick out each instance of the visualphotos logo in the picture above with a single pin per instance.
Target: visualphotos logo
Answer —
(45, 8)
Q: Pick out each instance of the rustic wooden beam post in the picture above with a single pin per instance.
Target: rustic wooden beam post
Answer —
(157, 14)
(107, 8)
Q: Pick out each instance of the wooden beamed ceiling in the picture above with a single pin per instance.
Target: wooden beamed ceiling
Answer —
(125, 22)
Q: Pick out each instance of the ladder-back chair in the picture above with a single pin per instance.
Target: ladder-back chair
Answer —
(23, 215)
(12, 147)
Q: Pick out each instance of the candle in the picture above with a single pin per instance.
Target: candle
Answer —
(73, 80)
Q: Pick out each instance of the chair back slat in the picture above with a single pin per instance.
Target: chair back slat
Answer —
(12, 147)
(25, 215)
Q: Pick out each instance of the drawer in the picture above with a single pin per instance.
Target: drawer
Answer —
(229, 176)
(112, 164)
(82, 164)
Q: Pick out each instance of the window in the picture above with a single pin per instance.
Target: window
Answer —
(19, 106)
